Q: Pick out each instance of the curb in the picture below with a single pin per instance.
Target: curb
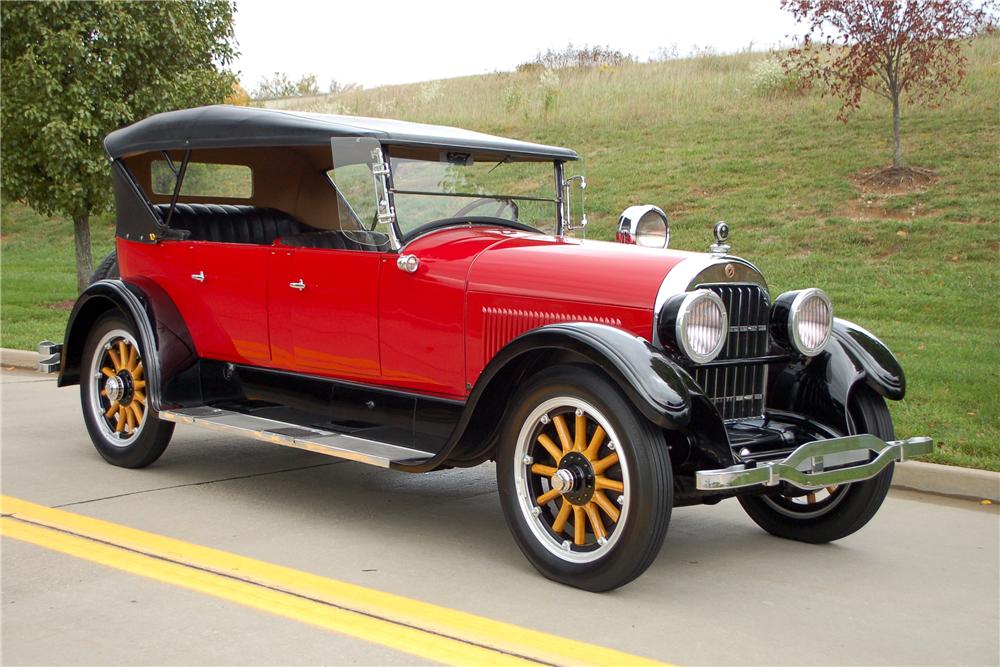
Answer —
(19, 359)
(912, 475)
(947, 480)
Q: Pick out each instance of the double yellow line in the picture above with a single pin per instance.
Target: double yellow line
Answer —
(414, 627)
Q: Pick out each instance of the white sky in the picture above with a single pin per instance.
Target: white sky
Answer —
(394, 41)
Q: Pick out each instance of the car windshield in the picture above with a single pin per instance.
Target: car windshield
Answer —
(456, 185)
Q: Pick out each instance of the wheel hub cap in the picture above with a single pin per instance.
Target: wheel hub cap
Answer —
(562, 481)
(115, 387)
(576, 477)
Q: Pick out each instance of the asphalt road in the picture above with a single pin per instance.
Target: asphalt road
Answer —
(919, 585)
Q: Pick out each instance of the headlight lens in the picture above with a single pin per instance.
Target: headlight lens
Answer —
(645, 225)
(810, 321)
(652, 230)
(701, 325)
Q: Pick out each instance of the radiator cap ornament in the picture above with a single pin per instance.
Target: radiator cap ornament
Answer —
(720, 247)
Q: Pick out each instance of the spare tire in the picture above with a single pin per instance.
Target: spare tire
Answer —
(107, 268)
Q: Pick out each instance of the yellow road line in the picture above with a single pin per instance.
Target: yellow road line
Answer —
(419, 628)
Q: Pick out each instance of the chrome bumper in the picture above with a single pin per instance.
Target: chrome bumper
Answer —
(49, 356)
(808, 467)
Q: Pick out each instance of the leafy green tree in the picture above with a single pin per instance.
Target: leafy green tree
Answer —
(279, 85)
(74, 71)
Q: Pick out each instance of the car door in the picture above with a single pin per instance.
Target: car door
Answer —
(324, 311)
(231, 286)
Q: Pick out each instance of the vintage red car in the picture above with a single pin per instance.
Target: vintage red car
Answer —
(411, 296)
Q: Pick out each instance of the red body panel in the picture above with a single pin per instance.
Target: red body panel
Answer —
(362, 318)
(423, 313)
(234, 322)
(329, 327)
(225, 312)
(533, 280)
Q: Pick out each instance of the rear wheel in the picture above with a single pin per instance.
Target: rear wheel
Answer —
(833, 512)
(585, 481)
(124, 428)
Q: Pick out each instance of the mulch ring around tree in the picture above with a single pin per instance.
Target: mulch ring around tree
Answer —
(895, 180)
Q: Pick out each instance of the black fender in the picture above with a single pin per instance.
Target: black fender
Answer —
(651, 380)
(822, 386)
(660, 389)
(164, 337)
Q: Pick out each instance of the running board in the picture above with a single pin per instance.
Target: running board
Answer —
(341, 445)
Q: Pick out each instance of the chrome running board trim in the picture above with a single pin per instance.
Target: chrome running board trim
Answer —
(809, 466)
(340, 445)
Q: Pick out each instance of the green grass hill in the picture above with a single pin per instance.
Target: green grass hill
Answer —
(726, 137)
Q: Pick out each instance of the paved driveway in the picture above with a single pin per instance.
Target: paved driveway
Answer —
(919, 585)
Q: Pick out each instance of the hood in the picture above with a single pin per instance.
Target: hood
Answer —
(593, 272)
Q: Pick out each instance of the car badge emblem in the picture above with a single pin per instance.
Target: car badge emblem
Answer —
(720, 247)
(730, 271)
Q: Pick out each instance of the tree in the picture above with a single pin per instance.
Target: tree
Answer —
(894, 48)
(279, 85)
(74, 71)
(307, 86)
(275, 86)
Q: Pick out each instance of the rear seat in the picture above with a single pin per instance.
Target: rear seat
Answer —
(340, 240)
(226, 223)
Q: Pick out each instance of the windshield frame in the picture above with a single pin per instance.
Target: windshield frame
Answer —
(556, 201)
(400, 239)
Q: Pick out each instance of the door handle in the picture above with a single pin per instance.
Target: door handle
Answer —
(200, 276)
(299, 285)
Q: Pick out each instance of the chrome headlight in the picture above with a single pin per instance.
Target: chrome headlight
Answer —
(803, 319)
(697, 323)
(646, 226)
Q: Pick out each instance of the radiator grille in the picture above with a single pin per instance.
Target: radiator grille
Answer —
(737, 389)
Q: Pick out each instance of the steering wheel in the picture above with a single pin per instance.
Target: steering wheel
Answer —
(505, 202)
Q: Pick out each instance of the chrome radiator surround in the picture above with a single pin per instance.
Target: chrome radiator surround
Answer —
(807, 467)
(734, 383)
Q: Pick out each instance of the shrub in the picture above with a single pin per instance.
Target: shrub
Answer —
(571, 56)
(429, 92)
(549, 82)
(512, 97)
(770, 77)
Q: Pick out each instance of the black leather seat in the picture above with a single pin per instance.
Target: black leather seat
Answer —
(226, 223)
(340, 240)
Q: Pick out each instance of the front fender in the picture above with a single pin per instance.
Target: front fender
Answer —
(882, 371)
(657, 387)
(822, 386)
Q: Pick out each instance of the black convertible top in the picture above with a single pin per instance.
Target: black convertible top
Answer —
(224, 126)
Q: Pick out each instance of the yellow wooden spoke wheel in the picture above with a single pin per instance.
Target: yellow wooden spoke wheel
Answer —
(575, 486)
(119, 389)
(585, 479)
(116, 395)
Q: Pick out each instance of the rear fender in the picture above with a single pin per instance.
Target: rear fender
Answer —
(161, 330)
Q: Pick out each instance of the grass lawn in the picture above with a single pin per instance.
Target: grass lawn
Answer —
(698, 138)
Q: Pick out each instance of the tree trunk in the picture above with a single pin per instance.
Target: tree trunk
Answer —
(897, 149)
(84, 262)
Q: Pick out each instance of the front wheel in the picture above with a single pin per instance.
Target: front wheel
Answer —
(124, 428)
(585, 480)
(828, 514)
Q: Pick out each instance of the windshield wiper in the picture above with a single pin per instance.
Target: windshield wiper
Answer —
(506, 158)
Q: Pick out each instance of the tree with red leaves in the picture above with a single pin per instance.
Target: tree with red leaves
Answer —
(894, 48)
